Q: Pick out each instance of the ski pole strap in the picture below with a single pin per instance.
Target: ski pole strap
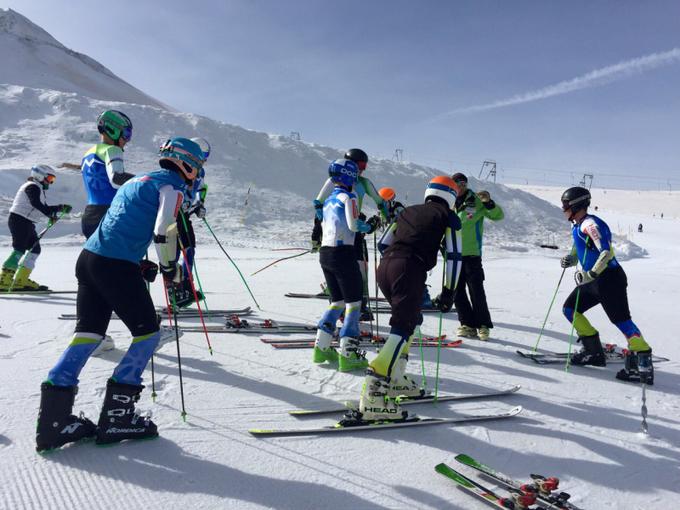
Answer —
(232, 262)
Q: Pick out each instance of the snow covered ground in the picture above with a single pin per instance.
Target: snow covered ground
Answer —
(582, 426)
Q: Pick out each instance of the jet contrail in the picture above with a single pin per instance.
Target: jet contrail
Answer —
(594, 78)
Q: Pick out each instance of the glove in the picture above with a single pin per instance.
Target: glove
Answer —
(444, 301)
(568, 261)
(484, 196)
(363, 227)
(583, 277)
(149, 270)
(65, 208)
(172, 273)
(318, 206)
(316, 246)
(317, 234)
(199, 211)
(373, 223)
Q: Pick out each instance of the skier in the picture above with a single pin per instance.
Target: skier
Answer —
(410, 248)
(110, 279)
(25, 241)
(103, 169)
(337, 257)
(394, 207)
(473, 313)
(640, 227)
(363, 187)
(601, 280)
(193, 204)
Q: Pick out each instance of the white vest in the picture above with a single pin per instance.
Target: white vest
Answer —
(22, 206)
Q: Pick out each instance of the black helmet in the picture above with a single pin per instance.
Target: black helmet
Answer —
(575, 198)
(357, 155)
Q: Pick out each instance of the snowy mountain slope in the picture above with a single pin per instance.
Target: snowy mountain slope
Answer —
(31, 57)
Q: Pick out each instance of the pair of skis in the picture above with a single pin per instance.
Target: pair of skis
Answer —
(612, 352)
(284, 343)
(379, 305)
(540, 490)
(186, 313)
(36, 292)
(414, 421)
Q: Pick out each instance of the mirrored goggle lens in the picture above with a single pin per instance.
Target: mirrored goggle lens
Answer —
(566, 206)
(127, 134)
(50, 178)
(361, 165)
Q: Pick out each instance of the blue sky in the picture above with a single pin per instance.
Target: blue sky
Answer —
(593, 86)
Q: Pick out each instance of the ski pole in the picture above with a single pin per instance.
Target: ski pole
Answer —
(193, 267)
(439, 341)
(171, 317)
(153, 370)
(375, 276)
(281, 260)
(643, 409)
(540, 334)
(232, 262)
(573, 320)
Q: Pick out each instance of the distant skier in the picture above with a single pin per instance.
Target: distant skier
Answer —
(394, 207)
(410, 248)
(640, 228)
(24, 212)
(103, 169)
(110, 280)
(601, 280)
(362, 188)
(194, 204)
(472, 209)
(338, 261)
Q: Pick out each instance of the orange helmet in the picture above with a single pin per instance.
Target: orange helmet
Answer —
(443, 187)
(387, 194)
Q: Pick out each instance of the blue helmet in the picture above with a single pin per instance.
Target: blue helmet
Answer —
(344, 172)
(187, 155)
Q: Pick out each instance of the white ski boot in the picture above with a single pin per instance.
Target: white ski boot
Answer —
(402, 385)
(375, 405)
(107, 344)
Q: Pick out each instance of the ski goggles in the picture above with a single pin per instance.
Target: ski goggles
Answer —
(126, 133)
(361, 165)
(50, 178)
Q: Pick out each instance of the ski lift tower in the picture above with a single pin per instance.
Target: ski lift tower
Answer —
(491, 164)
(586, 178)
(295, 135)
(398, 155)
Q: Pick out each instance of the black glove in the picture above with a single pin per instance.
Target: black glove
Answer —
(444, 301)
(199, 211)
(149, 270)
(568, 261)
(374, 223)
(317, 234)
(65, 208)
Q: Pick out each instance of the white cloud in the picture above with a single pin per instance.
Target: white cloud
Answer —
(594, 78)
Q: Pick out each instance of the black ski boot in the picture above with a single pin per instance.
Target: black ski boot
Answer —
(366, 314)
(638, 367)
(592, 352)
(118, 420)
(56, 425)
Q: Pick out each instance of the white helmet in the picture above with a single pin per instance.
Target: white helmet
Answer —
(44, 174)
(443, 187)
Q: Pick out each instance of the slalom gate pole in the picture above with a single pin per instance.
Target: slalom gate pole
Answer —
(171, 317)
(540, 334)
(281, 260)
(573, 321)
(232, 262)
(198, 304)
(643, 408)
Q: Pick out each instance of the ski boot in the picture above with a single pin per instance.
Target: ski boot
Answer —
(351, 358)
(23, 283)
(366, 313)
(483, 333)
(374, 404)
(402, 385)
(466, 332)
(637, 367)
(591, 353)
(118, 419)
(6, 279)
(322, 348)
(184, 294)
(519, 500)
(56, 425)
(107, 344)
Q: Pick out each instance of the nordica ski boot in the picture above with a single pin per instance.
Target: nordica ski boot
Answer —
(591, 353)
(118, 419)
(401, 385)
(351, 358)
(466, 332)
(374, 404)
(637, 367)
(56, 425)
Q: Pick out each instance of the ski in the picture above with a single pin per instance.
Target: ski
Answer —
(322, 295)
(551, 358)
(365, 426)
(185, 313)
(548, 485)
(385, 309)
(37, 292)
(366, 343)
(365, 336)
(517, 501)
(341, 407)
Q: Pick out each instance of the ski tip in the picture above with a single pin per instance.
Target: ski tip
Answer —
(261, 432)
(515, 410)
